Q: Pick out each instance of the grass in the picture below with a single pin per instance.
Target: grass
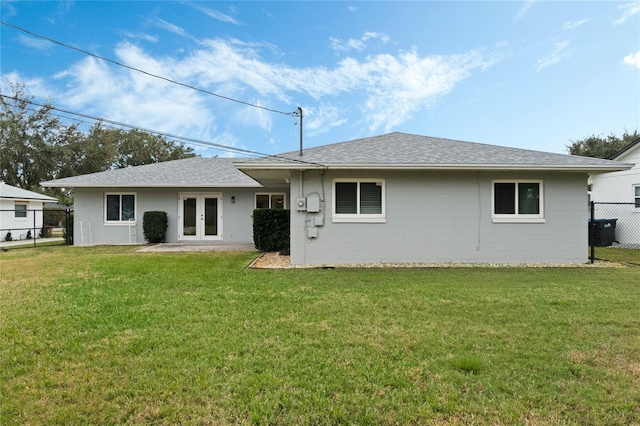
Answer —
(105, 335)
(617, 254)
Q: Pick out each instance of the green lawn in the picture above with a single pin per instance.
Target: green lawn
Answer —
(106, 335)
(616, 254)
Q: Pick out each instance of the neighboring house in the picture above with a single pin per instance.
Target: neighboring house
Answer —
(20, 211)
(391, 198)
(620, 187)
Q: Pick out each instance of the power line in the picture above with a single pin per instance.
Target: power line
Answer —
(292, 114)
(221, 147)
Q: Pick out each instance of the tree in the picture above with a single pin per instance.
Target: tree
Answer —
(135, 148)
(601, 146)
(31, 140)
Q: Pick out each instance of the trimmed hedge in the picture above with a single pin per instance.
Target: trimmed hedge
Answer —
(154, 226)
(271, 229)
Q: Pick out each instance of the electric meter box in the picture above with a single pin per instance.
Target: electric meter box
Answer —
(301, 204)
(313, 203)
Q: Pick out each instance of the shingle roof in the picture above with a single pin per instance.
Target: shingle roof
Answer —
(189, 172)
(13, 192)
(402, 150)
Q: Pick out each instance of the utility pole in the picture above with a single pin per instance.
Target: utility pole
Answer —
(299, 114)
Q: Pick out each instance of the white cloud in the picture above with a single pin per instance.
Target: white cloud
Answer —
(357, 44)
(217, 15)
(256, 117)
(141, 36)
(130, 97)
(629, 10)
(322, 119)
(572, 25)
(44, 46)
(161, 23)
(633, 59)
(385, 90)
(559, 53)
(526, 6)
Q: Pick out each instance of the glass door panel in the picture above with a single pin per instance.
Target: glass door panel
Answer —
(210, 216)
(189, 217)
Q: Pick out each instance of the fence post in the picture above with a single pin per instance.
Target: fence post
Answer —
(592, 231)
(34, 227)
(68, 237)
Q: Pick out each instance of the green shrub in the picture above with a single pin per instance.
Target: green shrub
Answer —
(51, 217)
(271, 229)
(154, 226)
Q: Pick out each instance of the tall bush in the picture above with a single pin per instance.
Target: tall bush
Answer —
(154, 226)
(271, 229)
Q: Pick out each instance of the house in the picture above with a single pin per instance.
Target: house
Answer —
(20, 211)
(623, 188)
(391, 198)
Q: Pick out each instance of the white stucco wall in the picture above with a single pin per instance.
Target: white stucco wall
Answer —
(19, 226)
(618, 186)
(445, 217)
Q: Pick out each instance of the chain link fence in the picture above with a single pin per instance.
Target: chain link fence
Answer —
(614, 232)
(33, 227)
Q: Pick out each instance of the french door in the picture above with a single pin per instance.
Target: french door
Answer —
(200, 217)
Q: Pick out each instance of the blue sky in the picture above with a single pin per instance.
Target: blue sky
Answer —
(530, 74)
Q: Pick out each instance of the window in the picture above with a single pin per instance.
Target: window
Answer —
(518, 201)
(20, 211)
(270, 201)
(358, 200)
(637, 195)
(120, 207)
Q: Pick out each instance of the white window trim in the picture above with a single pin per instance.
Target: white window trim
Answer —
(270, 194)
(120, 222)
(26, 210)
(634, 197)
(359, 218)
(517, 218)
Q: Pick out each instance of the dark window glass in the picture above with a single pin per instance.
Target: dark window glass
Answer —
(20, 210)
(128, 207)
(113, 207)
(370, 198)
(277, 201)
(262, 201)
(528, 198)
(504, 198)
(346, 197)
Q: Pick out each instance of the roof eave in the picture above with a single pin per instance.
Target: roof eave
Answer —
(139, 185)
(453, 167)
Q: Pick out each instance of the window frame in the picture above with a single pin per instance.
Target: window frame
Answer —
(518, 217)
(120, 221)
(359, 217)
(270, 194)
(636, 196)
(21, 211)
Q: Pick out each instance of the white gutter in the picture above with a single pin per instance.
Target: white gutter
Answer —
(155, 185)
(474, 167)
